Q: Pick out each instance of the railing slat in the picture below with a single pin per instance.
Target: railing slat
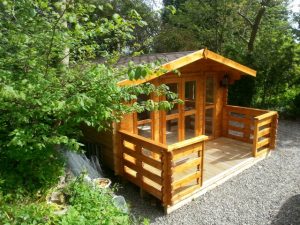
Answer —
(264, 132)
(264, 122)
(263, 142)
(186, 165)
(187, 179)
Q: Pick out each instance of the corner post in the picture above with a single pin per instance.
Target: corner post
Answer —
(167, 178)
(255, 137)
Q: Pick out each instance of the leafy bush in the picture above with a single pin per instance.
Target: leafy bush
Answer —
(50, 85)
(86, 205)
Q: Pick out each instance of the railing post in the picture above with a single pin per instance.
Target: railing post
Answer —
(247, 127)
(255, 138)
(139, 164)
(120, 155)
(225, 122)
(273, 133)
(167, 178)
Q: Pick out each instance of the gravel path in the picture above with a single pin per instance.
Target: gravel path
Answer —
(266, 193)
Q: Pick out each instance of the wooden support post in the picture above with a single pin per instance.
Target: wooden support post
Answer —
(255, 138)
(202, 163)
(247, 129)
(167, 178)
(273, 133)
(225, 122)
(120, 146)
(139, 165)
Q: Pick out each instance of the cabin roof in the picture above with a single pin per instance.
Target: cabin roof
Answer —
(176, 60)
(149, 58)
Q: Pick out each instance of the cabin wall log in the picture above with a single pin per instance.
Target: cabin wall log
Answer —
(105, 140)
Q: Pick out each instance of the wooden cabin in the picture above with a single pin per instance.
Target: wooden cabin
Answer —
(179, 154)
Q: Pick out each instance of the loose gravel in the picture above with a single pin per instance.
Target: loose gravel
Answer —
(266, 193)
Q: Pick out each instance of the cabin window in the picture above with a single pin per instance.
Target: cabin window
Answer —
(173, 87)
(144, 121)
(189, 122)
(172, 117)
(209, 91)
(189, 109)
(190, 95)
(209, 122)
(172, 131)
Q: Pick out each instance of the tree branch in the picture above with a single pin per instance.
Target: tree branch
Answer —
(256, 24)
(246, 18)
(52, 38)
(244, 39)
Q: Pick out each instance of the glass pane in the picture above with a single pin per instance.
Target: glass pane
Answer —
(145, 130)
(209, 122)
(146, 114)
(189, 122)
(172, 131)
(190, 95)
(209, 90)
(173, 87)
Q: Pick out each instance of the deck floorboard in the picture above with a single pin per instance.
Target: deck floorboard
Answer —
(222, 154)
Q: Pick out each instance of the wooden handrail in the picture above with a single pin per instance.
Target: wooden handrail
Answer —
(144, 140)
(233, 107)
(188, 142)
(266, 115)
(269, 133)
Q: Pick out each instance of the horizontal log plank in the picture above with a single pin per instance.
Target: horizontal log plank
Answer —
(262, 152)
(152, 190)
(172, 116)
(264, 122)
(266, 115)
(180, 154)
(129, 158)
(142, 141)
(130, 165)
(234, 128)
(141, 122)
(188, 142)
(130, 152)
(264, 132)
(152, 162)
(186, 165)
(154, 177)
(245, 110)
(238, 119)
(180, 183)
(263, 143)
(184, 193)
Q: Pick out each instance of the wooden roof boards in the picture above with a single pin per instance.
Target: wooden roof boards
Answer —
(177, 60)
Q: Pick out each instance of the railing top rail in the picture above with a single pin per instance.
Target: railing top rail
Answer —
(266, 115)
(165, 147)
(233, 107)
(188, 142)
(158, 145)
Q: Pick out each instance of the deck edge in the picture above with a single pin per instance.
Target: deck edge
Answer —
(217, 180)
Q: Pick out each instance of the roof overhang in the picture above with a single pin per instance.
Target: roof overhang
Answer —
(190, 58)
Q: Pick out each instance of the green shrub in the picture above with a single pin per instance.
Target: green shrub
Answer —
(86, 205)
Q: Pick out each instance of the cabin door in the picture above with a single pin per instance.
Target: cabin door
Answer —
(209, 103)
(180, 123)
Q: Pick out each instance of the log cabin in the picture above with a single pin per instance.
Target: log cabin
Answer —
(179, 154)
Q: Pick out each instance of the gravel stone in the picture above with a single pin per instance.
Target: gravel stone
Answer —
(266, 193)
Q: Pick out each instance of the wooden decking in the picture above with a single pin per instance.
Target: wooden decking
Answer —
(224, 158)
(222, 154)
(221, 157)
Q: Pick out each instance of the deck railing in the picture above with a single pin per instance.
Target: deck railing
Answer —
(254, 126)
(170, 173)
